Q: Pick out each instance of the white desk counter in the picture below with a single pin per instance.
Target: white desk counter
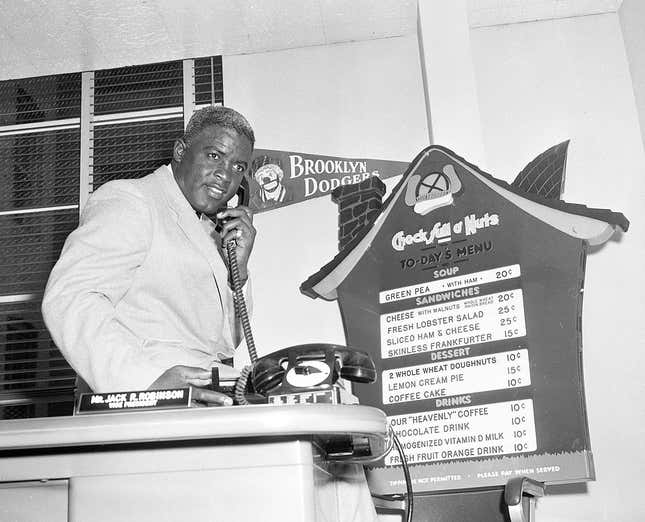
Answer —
(237, 463)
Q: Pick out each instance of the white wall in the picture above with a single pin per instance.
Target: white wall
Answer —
(632, 20)
(362, 99)
(450, 84)
(538, 84)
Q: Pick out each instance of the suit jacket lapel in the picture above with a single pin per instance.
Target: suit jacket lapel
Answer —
(191, 226)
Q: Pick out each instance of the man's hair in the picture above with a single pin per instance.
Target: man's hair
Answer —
(217, 116)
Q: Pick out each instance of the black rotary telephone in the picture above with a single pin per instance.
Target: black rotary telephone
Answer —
(311, 366)
(302, 373)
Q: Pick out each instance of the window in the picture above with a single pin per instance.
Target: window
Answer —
(61, 137)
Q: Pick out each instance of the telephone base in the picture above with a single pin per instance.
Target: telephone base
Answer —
(334, 395)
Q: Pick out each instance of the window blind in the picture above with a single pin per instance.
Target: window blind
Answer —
(39, 191)
(131, 150)
(135, 115)
(209, 83)
(41, 99)
(138, 88)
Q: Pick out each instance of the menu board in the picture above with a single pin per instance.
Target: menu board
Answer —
(471, 308)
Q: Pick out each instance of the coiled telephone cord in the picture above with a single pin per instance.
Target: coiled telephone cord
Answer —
(243, 315)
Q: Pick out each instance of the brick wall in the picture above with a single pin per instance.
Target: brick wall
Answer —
(358, 205)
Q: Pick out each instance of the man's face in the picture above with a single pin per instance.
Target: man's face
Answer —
(209, 171)
(268, 177)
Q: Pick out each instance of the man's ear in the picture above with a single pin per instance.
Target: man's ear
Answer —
(178, 150)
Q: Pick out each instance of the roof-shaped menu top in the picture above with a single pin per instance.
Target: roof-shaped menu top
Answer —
(534, 191)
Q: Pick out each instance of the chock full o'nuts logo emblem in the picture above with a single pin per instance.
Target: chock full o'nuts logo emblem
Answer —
(432, 186)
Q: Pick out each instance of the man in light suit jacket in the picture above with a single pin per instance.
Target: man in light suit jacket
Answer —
(140, 297)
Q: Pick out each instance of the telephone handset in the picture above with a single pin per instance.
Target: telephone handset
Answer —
(241, 197)
(242, 194)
